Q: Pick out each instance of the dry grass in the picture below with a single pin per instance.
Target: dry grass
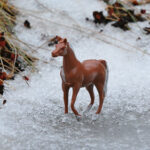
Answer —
(138, 2)
(12, 56)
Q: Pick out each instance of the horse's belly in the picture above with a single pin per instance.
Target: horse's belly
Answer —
(89, 78)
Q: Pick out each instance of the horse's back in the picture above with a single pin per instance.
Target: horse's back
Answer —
(94, 64)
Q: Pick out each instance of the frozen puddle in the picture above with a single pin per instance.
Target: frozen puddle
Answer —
(43, 127)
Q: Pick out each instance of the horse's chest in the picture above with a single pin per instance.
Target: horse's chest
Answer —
(62, 73)
(70, 77)
(65, 77)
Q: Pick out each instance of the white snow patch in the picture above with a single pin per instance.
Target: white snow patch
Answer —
(33, 115)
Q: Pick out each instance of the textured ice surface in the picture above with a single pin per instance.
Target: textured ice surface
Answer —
(33, 117)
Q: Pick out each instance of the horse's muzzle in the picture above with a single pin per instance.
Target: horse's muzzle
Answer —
(54, 55)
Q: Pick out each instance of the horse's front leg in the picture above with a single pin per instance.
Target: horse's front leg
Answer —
(76, 88)
(65, 90)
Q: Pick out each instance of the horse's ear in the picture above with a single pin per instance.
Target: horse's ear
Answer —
(58, 38)
(65, 40)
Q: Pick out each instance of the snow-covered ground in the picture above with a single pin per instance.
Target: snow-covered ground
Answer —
(33, 118)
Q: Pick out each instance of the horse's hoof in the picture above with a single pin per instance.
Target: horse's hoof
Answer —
(78, 118)
(66, 113)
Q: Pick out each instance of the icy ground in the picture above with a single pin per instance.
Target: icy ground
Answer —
(33, 118)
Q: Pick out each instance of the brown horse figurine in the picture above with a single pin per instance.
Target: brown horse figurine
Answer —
(76, 75)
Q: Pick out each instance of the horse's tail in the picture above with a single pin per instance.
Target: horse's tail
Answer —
(106, 75)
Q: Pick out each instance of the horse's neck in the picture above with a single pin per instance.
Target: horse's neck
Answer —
(69, 60)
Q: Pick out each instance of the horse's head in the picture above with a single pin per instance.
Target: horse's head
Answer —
(61, 48)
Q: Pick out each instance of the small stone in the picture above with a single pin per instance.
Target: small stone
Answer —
(4, 102)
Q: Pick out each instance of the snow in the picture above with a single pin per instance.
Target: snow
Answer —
(33, 117)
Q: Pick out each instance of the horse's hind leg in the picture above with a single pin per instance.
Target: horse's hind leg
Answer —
(101, 92)
(90, 90)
